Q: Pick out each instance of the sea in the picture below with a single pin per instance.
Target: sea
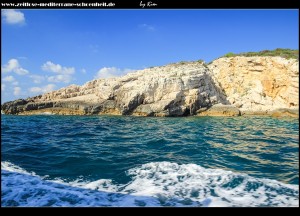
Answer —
(126, 161)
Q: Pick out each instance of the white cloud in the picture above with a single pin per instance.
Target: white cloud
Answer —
(57, 68)
(64, 73)
(21, 71)
(83, 70)
(17, 91)
(10, 66)
(14, 66)
(37, 78)
(11, 16)
(3, 87)
(9, 79)
(60, 78)
(107, 72)
(15, 83)
(147, 27)
(43, 89)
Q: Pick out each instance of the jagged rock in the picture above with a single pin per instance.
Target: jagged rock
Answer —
(219, 110)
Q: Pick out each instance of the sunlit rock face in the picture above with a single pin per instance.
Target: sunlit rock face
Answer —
(258, 84)
(251, 85)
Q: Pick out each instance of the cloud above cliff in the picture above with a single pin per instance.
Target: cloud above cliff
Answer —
(57, 68)
(107, 72)
(12, 17)
(37, 78)
(17, 91)
(63, 73)
(60, 78)
(43, 89)
(13, 65)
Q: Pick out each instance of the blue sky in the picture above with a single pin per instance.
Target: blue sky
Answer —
(44, 50)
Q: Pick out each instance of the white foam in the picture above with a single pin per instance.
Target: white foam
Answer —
(152, 184)
(5, 165)
(46, 113)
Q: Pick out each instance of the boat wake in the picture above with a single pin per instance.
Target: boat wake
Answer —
(152, 184)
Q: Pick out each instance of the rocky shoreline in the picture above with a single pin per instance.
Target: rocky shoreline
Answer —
(232, 86)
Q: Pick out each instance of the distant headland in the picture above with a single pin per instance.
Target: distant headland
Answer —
(254, 83)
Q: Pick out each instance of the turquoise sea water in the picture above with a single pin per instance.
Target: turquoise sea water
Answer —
(138, 161)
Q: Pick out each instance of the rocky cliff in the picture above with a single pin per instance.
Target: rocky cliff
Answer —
(258, 85)
(228, 86)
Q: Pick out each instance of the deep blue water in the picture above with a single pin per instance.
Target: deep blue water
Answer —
(137, 161)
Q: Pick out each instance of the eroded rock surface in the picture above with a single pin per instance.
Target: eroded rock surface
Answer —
(258, 84)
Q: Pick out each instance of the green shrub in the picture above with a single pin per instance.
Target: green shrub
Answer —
(230, 54)
(201, 61)
(285, 53)
(182, 62)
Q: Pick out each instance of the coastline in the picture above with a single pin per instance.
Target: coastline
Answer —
(294, 113)
(230, 86)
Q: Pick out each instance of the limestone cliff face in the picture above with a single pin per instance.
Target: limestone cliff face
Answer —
(258, 84)
(173, 90)
(247, 84)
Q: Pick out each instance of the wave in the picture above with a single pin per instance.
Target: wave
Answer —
(46, 113)
(152, 184)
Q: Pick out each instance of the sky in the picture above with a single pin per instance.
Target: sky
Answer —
(45, 50)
